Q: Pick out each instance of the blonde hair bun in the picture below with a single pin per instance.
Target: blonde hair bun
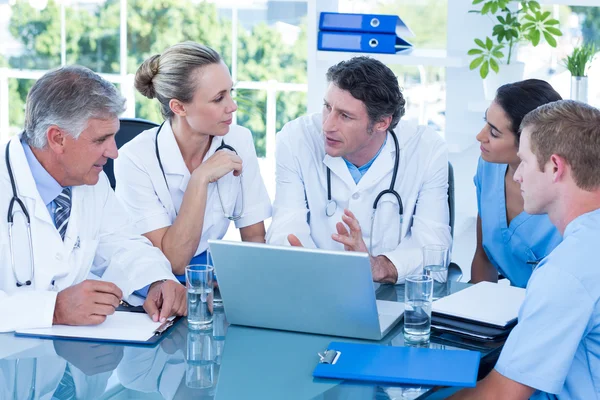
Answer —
(145, 74)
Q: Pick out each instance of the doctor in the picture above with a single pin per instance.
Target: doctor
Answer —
(185, 181)
(333, 168)
(51, 182)
(554, 351)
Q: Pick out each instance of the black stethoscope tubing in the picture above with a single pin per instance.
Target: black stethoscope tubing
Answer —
(391, 190)
(223, 146)
(10, 220)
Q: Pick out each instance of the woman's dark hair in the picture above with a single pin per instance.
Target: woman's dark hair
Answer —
(519, 98)
(373, 83)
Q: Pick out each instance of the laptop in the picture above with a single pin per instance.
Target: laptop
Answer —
(301, 290)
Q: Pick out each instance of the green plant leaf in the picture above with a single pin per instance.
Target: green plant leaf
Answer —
(530, 18)
(486, 8)
(480, 43)
(535, 37)
(494, 65)
(488, 43)
(477, 1)
(551, 22)
(494, 8)
(544, 16)
(501, 19)
(498, 54)
(550, 39)
(476, 62)
(553, 30)
(485, 69)
(534, 5)
(526, 26)
(472, 52)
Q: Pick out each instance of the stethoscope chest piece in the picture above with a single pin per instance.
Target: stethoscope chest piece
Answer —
(331, 208)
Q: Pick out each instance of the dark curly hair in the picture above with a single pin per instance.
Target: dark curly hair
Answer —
(373, 83)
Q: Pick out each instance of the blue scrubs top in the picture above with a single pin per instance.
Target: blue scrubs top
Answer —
(555, 347)
(512, 249)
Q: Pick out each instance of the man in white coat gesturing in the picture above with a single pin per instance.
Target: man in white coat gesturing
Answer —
(332, 168)
(51, 180)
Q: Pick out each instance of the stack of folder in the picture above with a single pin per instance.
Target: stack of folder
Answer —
(365, 33)
(485, 311)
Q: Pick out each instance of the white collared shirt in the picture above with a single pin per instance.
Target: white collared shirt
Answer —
(141, 185)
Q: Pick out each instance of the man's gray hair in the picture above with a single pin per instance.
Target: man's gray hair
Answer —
(68, 97)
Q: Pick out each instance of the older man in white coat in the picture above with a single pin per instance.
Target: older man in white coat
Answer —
(51, 179)
(332, 168)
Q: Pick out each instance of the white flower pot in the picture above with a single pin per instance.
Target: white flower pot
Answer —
(579, 88)
(510, 73)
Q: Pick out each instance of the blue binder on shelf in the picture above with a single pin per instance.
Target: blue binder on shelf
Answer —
(374, 23)
(398, 365)
(361, 42)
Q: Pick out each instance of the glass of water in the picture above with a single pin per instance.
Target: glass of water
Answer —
(200, 355)
(199, 283)
(435, 264)
(418, 293)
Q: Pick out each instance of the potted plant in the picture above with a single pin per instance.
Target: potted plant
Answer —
(578, 64)
(516, 21)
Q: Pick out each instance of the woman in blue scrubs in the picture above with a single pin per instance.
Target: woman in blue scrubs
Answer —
(510, 242)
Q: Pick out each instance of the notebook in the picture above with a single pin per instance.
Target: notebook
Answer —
(485, 303)
(122, 326)
(404, 365)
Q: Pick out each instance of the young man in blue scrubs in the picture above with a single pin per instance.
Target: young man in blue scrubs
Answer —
(554, 351)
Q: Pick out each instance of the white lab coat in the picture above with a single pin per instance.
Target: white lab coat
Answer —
(422, 183)
(106, 247)
(141, 184)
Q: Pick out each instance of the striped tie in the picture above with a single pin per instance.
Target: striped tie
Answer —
(66, 388)
(62, 211)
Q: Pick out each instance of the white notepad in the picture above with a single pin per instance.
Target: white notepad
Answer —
(122, 326)
(485, 302)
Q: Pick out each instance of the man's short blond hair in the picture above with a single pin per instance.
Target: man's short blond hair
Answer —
(570, 129)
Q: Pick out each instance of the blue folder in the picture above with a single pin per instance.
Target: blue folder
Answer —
(361, 42)
(374, 23)
(405, 365)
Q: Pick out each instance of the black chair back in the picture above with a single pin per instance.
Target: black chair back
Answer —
(130, 128)
(451, 197)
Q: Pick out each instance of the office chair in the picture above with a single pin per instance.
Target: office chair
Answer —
(130, 128)
(454, 271)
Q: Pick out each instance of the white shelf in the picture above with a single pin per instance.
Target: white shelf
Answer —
(585, 3)
(435, 58)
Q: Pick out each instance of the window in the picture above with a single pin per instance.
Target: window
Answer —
(263, 42)
(579, 25)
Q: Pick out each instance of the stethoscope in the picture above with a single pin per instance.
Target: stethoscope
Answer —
(331, 206)
(223, 146)
(10, 219)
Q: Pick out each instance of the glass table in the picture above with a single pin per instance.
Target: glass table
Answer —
(223, 362)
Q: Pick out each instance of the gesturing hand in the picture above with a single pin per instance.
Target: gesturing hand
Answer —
(352, 240)
(166, 299)
(87, 303)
